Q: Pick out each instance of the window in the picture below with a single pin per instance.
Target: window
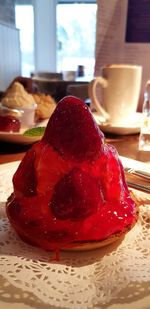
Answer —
(76, 27)
(25, 22)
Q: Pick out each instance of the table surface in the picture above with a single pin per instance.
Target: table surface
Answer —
(126, 146)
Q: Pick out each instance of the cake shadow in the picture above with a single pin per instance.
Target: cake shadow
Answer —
(87, 257)
(13, 245)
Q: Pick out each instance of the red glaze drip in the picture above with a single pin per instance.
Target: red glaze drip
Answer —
(59, 200)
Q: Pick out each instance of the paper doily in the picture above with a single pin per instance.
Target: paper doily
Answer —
(93, 279)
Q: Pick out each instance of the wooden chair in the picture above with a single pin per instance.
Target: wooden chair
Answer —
(78, 90)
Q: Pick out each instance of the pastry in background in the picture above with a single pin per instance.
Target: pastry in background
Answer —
(17, 97)
(45, 105)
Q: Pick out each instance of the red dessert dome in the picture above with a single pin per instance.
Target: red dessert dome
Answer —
(70, 187)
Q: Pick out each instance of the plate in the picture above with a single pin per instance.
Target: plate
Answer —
(19, 138)
(116, 276)
(131, 127)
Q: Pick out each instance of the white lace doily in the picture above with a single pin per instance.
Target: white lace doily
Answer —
(93, 279)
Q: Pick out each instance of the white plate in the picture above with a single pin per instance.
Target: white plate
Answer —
(19, 138)
(132, 127)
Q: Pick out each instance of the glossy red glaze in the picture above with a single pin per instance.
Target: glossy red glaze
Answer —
(59, 199)
(9, 124)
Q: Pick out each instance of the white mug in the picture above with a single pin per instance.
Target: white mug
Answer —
(120, 91)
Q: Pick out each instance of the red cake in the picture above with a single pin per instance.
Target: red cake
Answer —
(70, 189)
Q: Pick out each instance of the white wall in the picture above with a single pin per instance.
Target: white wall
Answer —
(45, 35)
(10, 56)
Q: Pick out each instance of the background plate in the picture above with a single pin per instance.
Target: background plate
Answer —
(19, 138)
(132, 126)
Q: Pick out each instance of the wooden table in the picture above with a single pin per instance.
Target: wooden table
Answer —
(127, 146)
(12, 152)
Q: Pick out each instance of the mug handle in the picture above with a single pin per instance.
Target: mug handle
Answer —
(92, 95)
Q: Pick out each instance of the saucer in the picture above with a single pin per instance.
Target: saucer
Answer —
(120, 129)
(19, 137)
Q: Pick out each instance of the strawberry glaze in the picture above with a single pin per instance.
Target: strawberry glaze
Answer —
(32, 215)
(61, 197)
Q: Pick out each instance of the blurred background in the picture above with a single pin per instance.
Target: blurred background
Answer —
(46, 36)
